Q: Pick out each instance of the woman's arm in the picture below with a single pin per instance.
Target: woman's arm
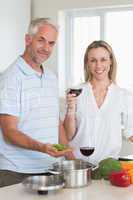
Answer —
(127, 117)
(70, 120)
(131, 139)
(63, 140)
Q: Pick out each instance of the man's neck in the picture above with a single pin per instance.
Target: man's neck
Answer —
(34, 66)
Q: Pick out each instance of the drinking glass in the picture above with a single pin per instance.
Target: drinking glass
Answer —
(87, 151)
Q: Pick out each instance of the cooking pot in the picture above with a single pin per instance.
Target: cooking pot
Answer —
(44, 183)
(76, 173)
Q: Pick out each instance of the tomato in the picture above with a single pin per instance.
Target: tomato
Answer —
(120, 178)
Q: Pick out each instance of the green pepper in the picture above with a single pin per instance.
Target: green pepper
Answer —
(108, 165)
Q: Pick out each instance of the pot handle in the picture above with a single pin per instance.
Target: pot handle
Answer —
(53, 172)
(95, 167)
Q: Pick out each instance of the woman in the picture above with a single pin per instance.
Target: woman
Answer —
(96, 116)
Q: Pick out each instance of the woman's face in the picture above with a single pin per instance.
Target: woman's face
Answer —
(99, 63)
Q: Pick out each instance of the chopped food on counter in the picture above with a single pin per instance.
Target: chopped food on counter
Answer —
(130, 173)
(120, 178)
(60, 147)
(96, 175)
(128, 166)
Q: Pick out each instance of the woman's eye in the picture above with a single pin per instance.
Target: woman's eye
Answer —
(92, 61)
(104, 59)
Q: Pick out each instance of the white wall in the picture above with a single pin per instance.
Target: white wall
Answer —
(14, 18)
(50, 8)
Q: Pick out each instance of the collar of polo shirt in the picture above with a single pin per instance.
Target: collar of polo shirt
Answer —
(25, 68)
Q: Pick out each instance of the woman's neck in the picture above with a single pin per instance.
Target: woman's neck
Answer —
(100, 84)
(100, 89)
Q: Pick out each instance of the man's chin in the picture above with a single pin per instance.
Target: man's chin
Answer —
(42, 60)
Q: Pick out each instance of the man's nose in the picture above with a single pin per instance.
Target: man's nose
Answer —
(46, 46)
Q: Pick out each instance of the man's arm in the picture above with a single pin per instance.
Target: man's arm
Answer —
(12, 135)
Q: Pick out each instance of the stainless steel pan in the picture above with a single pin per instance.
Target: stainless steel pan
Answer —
(76, 173)
(44, 183)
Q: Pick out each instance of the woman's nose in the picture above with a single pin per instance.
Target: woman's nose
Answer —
(98, 63)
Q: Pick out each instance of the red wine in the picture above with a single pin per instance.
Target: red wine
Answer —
(87, 151)
(75, 91)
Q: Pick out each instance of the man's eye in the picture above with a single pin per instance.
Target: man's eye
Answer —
(51, 43)
(40, 40)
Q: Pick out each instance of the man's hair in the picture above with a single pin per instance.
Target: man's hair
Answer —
(38, 22)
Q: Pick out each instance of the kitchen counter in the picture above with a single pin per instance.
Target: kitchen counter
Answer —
(97, 190)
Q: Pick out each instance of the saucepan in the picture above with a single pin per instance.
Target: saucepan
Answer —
(67, 173)
(42, 183)
(76, 173)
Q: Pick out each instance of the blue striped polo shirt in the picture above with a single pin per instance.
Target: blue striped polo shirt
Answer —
(33, 98)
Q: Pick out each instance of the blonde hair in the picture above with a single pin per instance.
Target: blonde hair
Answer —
(37, 23)
(105, 45)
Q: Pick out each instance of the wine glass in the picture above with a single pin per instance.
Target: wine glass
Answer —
(76, 91)
(87, 151)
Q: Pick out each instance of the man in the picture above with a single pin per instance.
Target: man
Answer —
(29, 111)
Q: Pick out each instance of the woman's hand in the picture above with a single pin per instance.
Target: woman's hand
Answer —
(70, 156)
(71, 103)
(70, 118)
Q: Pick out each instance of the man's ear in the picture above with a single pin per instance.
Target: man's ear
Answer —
(28, 39)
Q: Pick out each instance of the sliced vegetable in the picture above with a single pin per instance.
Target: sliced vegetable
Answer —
(126, 165)
(96, 175)
(121, 178)
(60, 147)
(130, 173)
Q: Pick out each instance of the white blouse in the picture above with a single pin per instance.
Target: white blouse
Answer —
(102, 127)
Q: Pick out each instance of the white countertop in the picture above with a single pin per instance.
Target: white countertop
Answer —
(97, 190)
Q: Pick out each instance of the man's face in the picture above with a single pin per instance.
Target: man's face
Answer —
(40, 45)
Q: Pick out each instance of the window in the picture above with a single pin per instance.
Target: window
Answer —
(81, 27)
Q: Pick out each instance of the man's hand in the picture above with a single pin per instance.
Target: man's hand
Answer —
(52, 151)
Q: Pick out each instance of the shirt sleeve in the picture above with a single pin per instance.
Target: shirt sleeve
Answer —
(128, 115)
(9, 97)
